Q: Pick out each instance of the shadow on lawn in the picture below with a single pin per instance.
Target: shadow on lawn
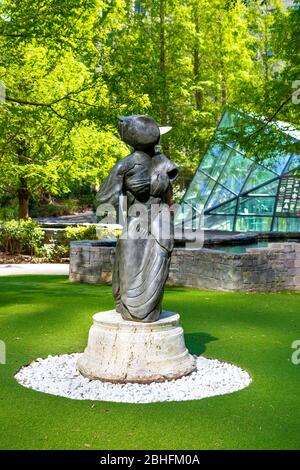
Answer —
(196, 342)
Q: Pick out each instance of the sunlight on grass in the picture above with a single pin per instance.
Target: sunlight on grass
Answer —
(41, 315)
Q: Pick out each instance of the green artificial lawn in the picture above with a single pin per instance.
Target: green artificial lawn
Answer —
(41, 315)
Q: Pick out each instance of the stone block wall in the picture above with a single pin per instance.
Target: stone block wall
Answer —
(91, 263)
(274, 268)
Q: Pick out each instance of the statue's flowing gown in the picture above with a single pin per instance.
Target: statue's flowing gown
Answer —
(144, 249)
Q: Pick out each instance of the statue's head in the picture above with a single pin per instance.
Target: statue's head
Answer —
(139, 131)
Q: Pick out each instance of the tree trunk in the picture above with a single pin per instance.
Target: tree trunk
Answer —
(198, 93)
(223, 91)
(23, 196)
(23, 192)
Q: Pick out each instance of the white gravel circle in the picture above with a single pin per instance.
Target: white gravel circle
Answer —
(57, 375)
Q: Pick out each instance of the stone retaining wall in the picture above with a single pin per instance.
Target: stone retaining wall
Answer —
(269, 269)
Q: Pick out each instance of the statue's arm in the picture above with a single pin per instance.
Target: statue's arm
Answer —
(113, 186)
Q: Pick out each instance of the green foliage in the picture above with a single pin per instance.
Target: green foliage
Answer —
(20, 237)
(51, 133)
(80, 232)
(63, 207)
(90, 232)
(52, 252)
(9, 212)
(106, 233)
(178, 193)
(202, 56)
(70, 68)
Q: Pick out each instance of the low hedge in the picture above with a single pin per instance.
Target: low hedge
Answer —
(90, 232)
(20, 237)
(27, 238)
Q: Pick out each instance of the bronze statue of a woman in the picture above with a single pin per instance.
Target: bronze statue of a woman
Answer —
(144, 179)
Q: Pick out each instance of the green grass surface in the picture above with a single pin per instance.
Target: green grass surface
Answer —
(41, 315)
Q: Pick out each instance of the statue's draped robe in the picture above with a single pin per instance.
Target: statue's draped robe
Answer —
(143, 251)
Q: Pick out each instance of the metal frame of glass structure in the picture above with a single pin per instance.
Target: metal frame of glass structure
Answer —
(235, 193)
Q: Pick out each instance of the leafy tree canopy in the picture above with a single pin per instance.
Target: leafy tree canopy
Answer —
(70, 68)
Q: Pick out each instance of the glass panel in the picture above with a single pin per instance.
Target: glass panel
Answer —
(186, 218)
(258, 176)
(287, 224)
(218, 222)
(236, 123)
(218, 196)
(235, 172)
(256, 205)
(219, 149)
(277, 163)
(218, 155)
(208, 162)
(228, 208)
(267, 190)
(294, 163)
(199, 189)
(228, 120)
(251, 223)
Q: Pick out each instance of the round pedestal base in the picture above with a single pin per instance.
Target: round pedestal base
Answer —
(123, 351)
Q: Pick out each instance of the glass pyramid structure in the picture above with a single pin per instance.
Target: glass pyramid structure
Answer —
(235, 193)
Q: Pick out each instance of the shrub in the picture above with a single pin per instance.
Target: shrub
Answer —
(81, 232)
(20, 236)
(90, 232)
(105, 233)
(52, 252)
(9, 212)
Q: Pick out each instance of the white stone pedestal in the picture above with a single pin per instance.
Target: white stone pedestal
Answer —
(124, 351)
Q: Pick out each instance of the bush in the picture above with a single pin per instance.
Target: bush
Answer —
(90, 232)
(20, 237)
(51, 252)
(80, 232)
(9, 212)
(105, 233)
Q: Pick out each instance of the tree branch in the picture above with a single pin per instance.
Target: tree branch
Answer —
(272, 117)
(58, 100)
(58, 115)
(25, 102)
(82, 102)
(7, 191)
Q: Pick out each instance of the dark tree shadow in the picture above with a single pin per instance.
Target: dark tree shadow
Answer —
(196, 342)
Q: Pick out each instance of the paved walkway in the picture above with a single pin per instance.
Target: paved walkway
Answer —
(43, 268)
